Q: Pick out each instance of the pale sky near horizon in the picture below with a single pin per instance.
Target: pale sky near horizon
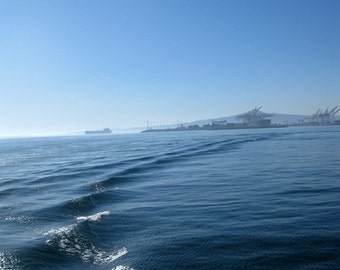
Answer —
(71, 65)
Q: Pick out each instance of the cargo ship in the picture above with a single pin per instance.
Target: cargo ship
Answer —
(98, 132)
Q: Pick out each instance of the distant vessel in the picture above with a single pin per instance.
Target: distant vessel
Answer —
(97, 132)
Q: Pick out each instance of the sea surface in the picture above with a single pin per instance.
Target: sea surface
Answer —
(237, 199)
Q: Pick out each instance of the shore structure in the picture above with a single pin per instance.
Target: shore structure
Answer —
(252, 119)
(325, 116)
(257, 119)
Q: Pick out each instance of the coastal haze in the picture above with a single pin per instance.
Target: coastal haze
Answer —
(71, 66)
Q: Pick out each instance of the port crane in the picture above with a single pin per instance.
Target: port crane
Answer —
(255, 117)
(325, 116)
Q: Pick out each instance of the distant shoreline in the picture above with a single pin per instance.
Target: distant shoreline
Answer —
(231, 126)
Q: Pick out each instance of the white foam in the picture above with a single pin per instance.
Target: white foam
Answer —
(94, 217)
(61, 230)
(100, 187)
(20, 219)
(8, 261)
(122, 267)
(108, 257)
(68, 240)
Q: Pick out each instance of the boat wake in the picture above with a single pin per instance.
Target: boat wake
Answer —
(76, 241)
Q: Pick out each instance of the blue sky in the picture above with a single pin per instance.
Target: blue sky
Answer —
(71, 65)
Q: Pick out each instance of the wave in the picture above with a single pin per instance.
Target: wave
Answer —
(148, 163)
(109, 212)
(107, 189)
(76, 245)
(78, 240)
(102, 192)
(79, 206)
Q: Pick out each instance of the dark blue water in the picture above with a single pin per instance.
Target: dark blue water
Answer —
(248, 199)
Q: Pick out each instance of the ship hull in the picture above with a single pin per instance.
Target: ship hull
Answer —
(98, 132)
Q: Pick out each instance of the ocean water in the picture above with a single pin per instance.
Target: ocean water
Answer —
(238, 199)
